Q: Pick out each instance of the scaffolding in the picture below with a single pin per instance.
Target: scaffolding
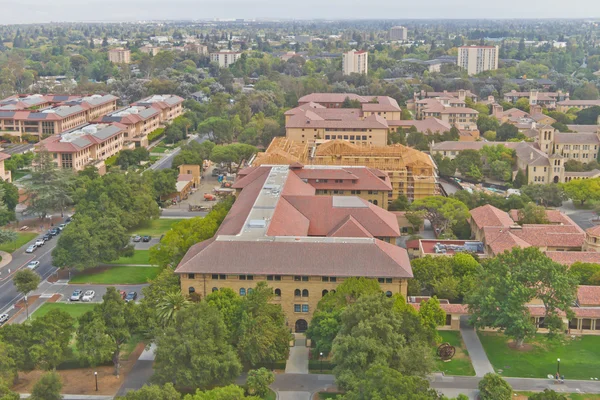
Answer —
(412, 173)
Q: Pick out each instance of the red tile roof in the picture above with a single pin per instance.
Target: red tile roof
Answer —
(571, 257)
(4, 156)
(594, 230)
(350, 227)
(588, 295)
(490, 216)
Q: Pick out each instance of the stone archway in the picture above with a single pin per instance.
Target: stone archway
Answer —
(301, 326)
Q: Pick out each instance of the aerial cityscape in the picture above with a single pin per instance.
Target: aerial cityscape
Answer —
(349, 206)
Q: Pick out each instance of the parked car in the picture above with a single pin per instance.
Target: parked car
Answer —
(40, 242)
(3, 318)
(55, 231)
(88, 295)
(68, 220)
(76, 296)
(146, 238)
(123, 294)
(47, 237)
(51, 232)
(131, 296)
(137, 238)
(62, 226)
(31, 248)
(33, 264)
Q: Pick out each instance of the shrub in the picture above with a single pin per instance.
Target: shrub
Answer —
(155, 134)
(493, 387)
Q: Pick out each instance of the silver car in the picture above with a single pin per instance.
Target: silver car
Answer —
(88, 295)
(31, 248)
(33, 264)
(3, 318)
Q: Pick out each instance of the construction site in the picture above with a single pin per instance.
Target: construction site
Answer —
(412, 173)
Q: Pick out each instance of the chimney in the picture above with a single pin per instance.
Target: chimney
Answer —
(497, 108)
(462, 94)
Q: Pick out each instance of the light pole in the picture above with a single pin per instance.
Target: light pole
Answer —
(558, 366)
(96, 376)
(321, 361)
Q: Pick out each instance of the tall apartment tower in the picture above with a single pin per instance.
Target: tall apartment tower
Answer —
(355, 62)
(119, 56)
(476, 59)
(398, 33)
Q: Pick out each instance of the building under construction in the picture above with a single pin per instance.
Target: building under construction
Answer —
(412, 173)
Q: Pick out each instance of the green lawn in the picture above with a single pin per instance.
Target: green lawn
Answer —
(323, 396)
(155, 227)
(570, 396)
(19, 174)
(461, 362)
(579, 357)
(119, 275)
(23, 237)
(158, 149)
(270, 396)
(75, 309)
(140, 257)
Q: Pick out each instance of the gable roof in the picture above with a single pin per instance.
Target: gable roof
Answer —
(489, 215)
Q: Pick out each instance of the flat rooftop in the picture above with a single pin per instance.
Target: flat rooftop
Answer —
(451, 247)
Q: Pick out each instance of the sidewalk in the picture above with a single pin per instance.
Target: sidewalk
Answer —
(141, 372)
(480, 361)
(297, 362)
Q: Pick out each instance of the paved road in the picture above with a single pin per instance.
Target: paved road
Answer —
(167, 162)
(583, 218)
(297, 362)
(8, 293)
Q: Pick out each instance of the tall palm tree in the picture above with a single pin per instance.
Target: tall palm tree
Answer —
(170, 304)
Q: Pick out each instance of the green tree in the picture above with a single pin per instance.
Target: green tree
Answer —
(229, 304)
(487, 123)
(230, 392)
(50, 337)
(8, 366)
(194, 351)
(532, 214)
(589, 116)
(467, 159)
(510, 281)
(546, 195)
(547, 394)
(493, 387)
(26, 281)
(258, 382)
(400, 204)
(442, 212)
(583, 190)
(7, 394)
(103, 331)
(171, 304)
(523, 104)
(382, 382)
(589, 91)
(432, 315)
(153, 392)
(584, 272)
(164, 181)
(520, 179)
(262, 336)
(446, 166)
(501, 170)
(506, 131)
(48, 387)
(375, 331)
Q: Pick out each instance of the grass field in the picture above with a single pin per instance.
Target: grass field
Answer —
(118, 275)
(140, 257)
(155, 227)
(579, 357)
(158, 149)
(75, 309)
(19, 174)
(23, 238)
(461, 362)
(270, 396)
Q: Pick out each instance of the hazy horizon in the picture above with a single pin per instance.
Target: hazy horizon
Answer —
(136, 10)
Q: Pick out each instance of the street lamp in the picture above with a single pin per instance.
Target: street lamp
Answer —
(321, 360)
(96, 376)
(558, 366)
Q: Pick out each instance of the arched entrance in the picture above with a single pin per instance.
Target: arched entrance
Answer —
(556, 179)
(301, 326)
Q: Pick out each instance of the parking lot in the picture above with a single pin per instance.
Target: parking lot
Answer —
(66, 290)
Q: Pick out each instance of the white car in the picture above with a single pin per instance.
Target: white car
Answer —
(3, 318)
(62, 226)
(88, 295)
(33, 264)
(31, 248)
(40, 242)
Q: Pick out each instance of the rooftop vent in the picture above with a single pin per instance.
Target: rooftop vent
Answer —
(257, 223)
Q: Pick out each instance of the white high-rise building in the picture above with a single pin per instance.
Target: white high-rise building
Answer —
(355, 62)
(398, 33)
(476, 59)
(225, 58)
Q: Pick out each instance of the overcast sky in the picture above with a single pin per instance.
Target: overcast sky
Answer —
(31, 11)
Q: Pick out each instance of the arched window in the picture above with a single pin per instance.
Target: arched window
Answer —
(191, 290)
(375, 202)
(388, 293)
(242, 292)
(297, 293)
(215, 289)
(324, 292)
(333, 291)
(250, 290)
(305, 293)
(278, 292)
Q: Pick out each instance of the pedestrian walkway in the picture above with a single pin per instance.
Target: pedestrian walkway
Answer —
(297, 362)
(141, 372)
(480, 361)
